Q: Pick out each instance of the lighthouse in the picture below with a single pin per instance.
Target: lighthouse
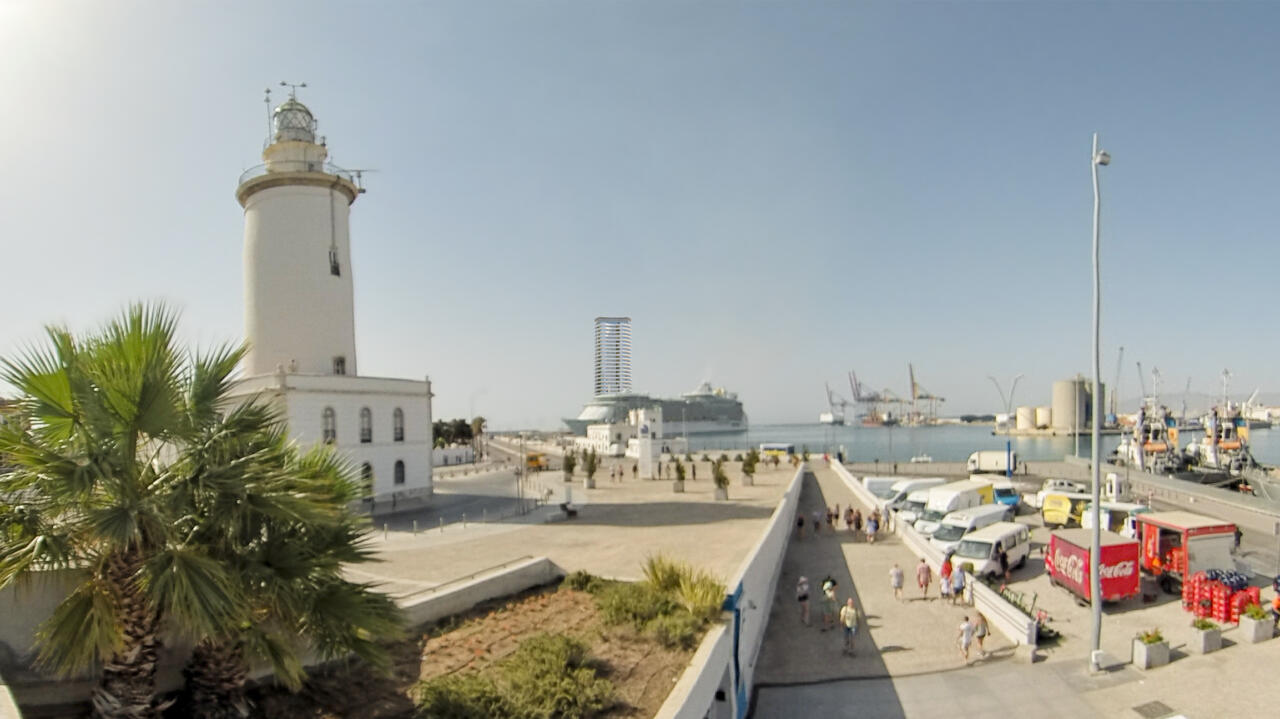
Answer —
(299, 308)
(299, 319)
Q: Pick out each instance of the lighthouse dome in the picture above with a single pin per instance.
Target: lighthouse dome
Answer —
(293, 121)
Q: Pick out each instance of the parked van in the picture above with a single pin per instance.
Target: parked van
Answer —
(911, 510)
(898, 491)
(958, 524)
(1118, 517)
(992, 460)
(1057, 486)
(1004, 490)
(947, 498)
(879, 485)
(1063, 510)
(979, 547)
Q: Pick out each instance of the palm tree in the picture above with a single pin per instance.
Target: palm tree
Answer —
(91, 447)
(286, 545)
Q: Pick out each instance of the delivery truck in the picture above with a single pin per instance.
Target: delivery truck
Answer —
(1067, 562)
(1176, 545)
(998, 461)
(947, 498)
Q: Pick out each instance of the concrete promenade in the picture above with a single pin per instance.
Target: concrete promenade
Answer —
(619, 524)
(908, 664)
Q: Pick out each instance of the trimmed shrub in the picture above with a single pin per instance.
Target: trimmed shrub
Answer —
(705, 458)
(676, 631)
(583, 581)
(701, 595)
(552, 675)
(460, 696)
(723, 457)
(737, 457)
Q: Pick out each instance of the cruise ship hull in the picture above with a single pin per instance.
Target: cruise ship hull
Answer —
(703, 411)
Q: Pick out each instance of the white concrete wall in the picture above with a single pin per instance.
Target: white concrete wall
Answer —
(457, 597)
(695, 693)
(452, 456)
(295, 309)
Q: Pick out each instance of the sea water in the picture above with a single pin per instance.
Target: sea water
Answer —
(942, 443)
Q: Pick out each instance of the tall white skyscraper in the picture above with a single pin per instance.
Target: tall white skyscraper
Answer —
(613, 355)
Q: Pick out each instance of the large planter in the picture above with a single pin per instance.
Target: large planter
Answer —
(1150, 656)
(678, 486)
(588, 483)
(1256, 630)
(1204, 641)
(722, 493)
(748, 480)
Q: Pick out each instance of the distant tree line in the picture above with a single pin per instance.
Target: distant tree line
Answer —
(456, 431)
(972, 418)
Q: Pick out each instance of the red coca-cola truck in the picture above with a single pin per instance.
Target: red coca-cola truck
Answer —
(1068, 563)
(1176, 545)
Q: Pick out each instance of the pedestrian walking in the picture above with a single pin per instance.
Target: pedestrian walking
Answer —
(895, 581)
(1004, 561)
(957, 586)
(829, 604)
(817, 521)
(857, 523)
(965, 638)
(923, 575)
(802, 598)
(980, 632)
(872, 526)
(693, 467)
(848, 518)
(944, 577)
(635, 471)
(879, 519)
(799, 525)
(849, 620)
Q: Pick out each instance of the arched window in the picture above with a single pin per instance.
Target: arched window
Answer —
(329, 426)
(366, 426)
(397, 425)
(366, 479)
(399, 475)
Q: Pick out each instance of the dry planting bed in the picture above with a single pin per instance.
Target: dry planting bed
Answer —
(641, 669)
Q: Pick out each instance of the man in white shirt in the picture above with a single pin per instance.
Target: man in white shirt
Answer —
(965, 638)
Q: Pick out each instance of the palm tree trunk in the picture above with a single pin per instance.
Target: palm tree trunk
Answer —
(127, 687)
(216, 676)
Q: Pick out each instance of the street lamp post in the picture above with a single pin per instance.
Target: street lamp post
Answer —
(1099, 157)
(1008, 401)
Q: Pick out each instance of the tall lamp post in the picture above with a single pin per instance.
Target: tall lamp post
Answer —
(1099, 157)
(1008, 401)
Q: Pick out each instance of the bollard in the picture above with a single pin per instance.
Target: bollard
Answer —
(442, 525)
(484, 516)
(464, 520)
(384, 531)
(415, 527)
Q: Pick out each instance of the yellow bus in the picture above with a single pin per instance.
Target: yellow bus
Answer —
(535, 460)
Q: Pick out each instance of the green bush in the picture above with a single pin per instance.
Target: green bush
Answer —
(676, 631)
(634, 604)
(723, 457)
(461, 696)
(705, 458)
(583, 581)
(688, 457)
(552, 675)
(1255, 611)
(1150, 636)
(1203, 624)
(737, 457)
(663, 573)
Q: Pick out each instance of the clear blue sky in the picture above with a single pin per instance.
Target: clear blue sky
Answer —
(775, 192)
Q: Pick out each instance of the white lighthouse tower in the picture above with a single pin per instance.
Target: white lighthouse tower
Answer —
(299, 317)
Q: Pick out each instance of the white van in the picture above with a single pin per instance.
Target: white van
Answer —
(879, 485)
(1057, 486)
(979, 547)
(897, 493)
(910, 510)
(948, 498)
(958, 524)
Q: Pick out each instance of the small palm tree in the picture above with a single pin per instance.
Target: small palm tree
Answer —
(718, 475)
(570, 463)
(590, 463)
(749, 463)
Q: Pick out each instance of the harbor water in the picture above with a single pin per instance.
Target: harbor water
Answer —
(942, 443)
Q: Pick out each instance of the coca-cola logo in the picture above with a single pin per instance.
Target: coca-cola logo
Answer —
(1070, 566)
(1119, 569)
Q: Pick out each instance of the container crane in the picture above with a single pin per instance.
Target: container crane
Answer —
(919, 394)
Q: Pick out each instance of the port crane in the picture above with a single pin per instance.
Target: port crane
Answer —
(920, 394)
(872, 400)
(837, 407)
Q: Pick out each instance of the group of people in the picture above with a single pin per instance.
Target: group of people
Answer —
(950, 580)
(854, 522)
(833, 615)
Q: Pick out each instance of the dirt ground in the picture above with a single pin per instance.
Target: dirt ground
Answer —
(641, 670)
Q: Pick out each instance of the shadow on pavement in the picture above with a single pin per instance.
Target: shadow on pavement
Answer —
(662, 514)
(799, 667)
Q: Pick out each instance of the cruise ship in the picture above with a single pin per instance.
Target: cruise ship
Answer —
(705, 410)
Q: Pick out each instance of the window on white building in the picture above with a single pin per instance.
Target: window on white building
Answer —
(339, 365)
(397, 425)
(366, 426)
(399, 475)
(329, 426)
(366, 479)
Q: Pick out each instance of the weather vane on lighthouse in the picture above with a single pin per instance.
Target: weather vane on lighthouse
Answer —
(293, 88)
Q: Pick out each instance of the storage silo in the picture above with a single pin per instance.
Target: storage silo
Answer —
(1070, 401)
(1025, 418)
(1044, 417)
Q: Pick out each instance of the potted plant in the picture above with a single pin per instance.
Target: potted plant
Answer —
(590, 463)
(721, 479)
(1208, 636)
(749, 468)
(1256, 625)
(678, 485)
(1150, 649)
(570, 461)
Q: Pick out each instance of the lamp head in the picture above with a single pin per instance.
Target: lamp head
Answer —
(1103, 158)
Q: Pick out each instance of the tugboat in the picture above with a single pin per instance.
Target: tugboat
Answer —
(1225, 444)
(1153, 445)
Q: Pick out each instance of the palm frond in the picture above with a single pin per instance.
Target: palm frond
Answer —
(82, 631)
(195, 590)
